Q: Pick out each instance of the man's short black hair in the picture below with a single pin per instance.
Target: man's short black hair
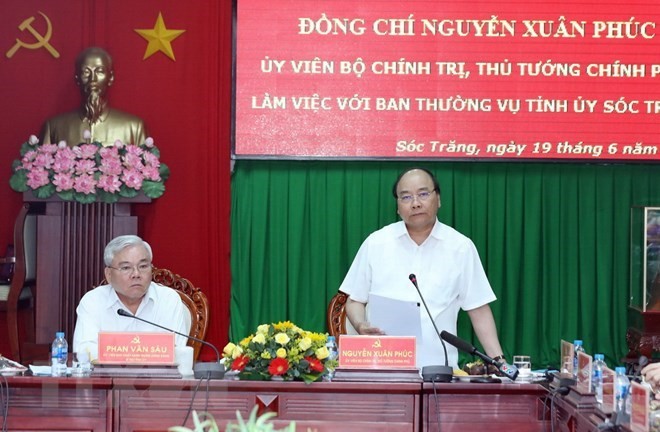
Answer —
(436, 185)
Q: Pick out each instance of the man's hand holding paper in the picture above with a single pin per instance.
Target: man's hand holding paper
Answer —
(394, 317)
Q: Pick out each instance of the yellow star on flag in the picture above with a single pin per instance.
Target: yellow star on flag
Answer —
(159, 38)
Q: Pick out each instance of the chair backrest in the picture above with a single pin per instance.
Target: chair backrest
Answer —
(336, 315)
(30, 247)
(193, 298)
(338, 324)
(22, 279)
(25, 234)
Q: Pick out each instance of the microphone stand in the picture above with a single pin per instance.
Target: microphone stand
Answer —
(434, 373)
(208, 370)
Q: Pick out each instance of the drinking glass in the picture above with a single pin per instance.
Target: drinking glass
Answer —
(80, 365)
(524, 365)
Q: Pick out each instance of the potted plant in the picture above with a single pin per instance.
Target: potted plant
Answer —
(206, 423)
(280, 351)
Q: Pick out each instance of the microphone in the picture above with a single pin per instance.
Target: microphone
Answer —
(509, 371)
(637, 368)
(209, 370)
(435, 372)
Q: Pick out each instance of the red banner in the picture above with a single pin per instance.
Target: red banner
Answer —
(514, 80)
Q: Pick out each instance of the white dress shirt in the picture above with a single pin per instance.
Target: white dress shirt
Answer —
(449, 275)
(97, 311)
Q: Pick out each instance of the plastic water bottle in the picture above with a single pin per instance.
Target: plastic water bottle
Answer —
(333, 351)
(628, 407)
(577, 347)
(59, 353)
(621, 389)
(597, 377)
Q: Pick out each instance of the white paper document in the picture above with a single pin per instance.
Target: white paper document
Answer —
(395, 317)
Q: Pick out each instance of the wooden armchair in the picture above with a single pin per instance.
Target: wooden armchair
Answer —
(338, 324)
(193, 298)
(19, 292)
(336, 315)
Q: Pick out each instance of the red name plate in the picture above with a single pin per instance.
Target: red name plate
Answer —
(585, 362)
(136, 348)
(377, 352)
(639, 418)
(608, 389)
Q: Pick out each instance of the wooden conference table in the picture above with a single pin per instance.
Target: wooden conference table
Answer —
(128, 404)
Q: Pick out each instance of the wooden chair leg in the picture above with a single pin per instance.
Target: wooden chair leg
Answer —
(12, 329)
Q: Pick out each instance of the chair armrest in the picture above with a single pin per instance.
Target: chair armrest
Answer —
(7, 260)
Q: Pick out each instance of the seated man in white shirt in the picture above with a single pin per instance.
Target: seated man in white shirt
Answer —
(128, 272)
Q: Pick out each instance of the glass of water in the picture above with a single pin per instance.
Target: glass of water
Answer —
(524, 365)
(80, 365)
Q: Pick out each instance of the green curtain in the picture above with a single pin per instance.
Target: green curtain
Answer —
(554, 239)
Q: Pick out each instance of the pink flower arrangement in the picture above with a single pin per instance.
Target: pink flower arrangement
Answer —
(89, 172)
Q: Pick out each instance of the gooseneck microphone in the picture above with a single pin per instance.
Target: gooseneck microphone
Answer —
(505, 369)
(435, 373)
(209, 370)
(637, 368)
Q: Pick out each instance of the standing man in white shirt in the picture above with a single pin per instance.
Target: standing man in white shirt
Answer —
(445, 262)
(128, 272)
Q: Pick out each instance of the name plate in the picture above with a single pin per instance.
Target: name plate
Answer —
(136, 348)
(585, 364)
(608, 389)
(639, 418)
(377, 352)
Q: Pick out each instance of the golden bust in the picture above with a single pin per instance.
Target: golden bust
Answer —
(94, 75)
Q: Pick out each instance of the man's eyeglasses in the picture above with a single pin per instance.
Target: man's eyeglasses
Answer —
(128, 269)
(422, 196)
